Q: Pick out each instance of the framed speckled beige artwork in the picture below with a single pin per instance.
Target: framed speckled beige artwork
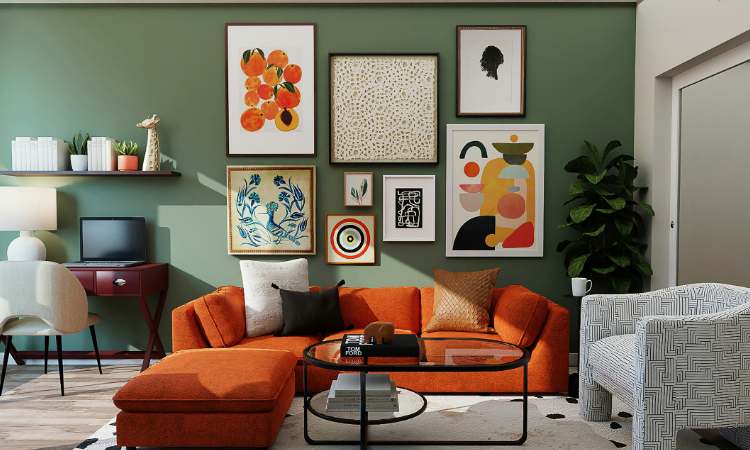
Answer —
(384, 108)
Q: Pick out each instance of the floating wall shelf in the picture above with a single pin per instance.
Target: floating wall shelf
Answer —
(70, 173)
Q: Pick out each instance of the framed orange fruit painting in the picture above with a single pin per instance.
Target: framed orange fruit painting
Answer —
(270, 89)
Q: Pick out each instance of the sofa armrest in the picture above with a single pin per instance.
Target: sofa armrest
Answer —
(186, 330)
(549, 357)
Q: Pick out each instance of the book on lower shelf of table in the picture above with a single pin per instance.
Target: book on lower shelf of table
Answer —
(345, 393)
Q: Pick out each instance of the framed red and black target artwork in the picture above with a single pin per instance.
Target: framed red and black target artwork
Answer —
(350, 239)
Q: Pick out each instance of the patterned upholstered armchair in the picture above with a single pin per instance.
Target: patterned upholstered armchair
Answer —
(680, 357)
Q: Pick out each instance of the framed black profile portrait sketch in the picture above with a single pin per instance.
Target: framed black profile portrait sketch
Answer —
(491, 72)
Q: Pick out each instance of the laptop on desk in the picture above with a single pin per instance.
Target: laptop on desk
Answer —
(112, 242)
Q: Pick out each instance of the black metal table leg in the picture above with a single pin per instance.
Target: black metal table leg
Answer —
(363, 410)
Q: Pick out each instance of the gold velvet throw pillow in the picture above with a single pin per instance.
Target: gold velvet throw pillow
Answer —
(462, 300)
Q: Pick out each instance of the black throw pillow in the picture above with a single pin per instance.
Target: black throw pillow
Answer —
(310, 313)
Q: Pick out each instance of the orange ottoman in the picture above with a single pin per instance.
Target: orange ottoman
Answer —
(207, 398)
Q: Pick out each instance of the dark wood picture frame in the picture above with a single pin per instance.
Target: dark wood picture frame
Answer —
(522, 111)
(331, 56)
(373, 240)
(314, 87)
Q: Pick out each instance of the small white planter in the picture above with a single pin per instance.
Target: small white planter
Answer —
(79, 163)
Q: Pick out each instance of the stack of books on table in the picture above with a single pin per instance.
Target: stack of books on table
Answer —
(344, 395)
(39, 154)
(101, 151)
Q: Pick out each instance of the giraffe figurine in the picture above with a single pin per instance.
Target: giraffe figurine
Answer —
(152, 158)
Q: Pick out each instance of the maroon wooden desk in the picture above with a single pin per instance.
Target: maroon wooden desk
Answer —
(138, 282)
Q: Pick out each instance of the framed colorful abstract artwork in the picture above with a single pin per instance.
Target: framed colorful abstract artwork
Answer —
(350, 239)
(271, 210)
(384, 108)
(358, 188)
(409, 208)
(491, 72)
(494, 190)
(270, 89)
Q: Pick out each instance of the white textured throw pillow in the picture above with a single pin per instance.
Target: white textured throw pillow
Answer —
(263, 302)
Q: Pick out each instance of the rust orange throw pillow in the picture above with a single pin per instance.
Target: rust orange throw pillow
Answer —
(222, 316)
(519, 315)
(462, 300)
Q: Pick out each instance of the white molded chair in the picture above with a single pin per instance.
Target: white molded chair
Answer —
(42, 298)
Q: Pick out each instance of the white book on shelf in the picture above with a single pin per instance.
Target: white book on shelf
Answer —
(34, 152)
(13, 155)
(92, 153)
(377, 384)
(110, 161)
(45, 153)
(62, 158)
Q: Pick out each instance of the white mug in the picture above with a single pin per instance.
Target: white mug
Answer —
(580, 286)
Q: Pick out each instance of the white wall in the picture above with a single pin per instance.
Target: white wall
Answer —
(672, 36)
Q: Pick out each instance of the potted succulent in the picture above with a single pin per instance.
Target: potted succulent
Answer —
(78, 148)
(127, 156)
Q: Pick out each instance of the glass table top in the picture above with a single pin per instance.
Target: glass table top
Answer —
(436, 355)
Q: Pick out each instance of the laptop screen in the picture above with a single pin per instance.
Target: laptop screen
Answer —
(113, 239)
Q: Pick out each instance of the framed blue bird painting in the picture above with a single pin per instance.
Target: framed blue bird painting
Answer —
(271, 210)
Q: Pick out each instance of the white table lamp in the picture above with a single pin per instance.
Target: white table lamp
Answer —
(27, 209)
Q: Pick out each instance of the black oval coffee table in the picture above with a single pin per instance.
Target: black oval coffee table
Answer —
(437, 355)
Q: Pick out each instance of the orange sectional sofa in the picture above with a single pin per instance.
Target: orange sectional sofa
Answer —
(519, 316)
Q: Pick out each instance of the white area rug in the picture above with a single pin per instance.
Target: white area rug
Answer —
(553, 424)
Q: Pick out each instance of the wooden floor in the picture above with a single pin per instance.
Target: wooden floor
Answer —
(33, 415)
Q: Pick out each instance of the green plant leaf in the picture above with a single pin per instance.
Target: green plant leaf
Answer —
(644, 268)
(364, 187)
(611, 145)
(595, 155)
(605, 210)
(616, 203)
(646, 208)
(619, 159)
(596, 178)
(576, 188)
(246, 55)
(581, 213)
(562, 244)
(596, 232)
(604, 270)
(625, 227)
(354, 194)
(575, 267)
(620, 285)
(622, 261)
(582, 164)
(261, 52)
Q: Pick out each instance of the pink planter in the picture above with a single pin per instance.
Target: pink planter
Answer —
(127, 162)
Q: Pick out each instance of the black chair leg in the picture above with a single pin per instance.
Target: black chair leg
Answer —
(5, 361)
(96, 348)
(58, 341)
(46, 352)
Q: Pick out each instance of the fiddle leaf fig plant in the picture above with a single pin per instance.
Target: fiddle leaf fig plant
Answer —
(607, 218)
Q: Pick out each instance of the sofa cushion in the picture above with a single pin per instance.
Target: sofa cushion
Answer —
(519, 315)
(209, 380)
(263, 313)
(294, 344)
(614, 358)
(462, 300)
(462, 334)
(311, 312)
(400, 305)
(427, 295)
(222, 316)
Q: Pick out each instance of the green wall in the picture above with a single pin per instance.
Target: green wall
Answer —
(103, 68)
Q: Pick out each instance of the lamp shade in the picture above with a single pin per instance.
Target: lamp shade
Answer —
(28, 208)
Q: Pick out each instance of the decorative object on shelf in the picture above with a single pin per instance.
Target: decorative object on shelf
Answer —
(127, 156)
(491, 72)
(78, 148)
(101, 154)
(270, 89)
(606, 213)
(27, 209)
(350, 239)
(495, 190)
(358, 188)
(384, 108)
(41, 154)
(409, 208)
(271, 210)
(152, 157)
(379, 332)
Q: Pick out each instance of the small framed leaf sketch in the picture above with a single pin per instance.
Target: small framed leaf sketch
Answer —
(409, 208)
(358, 189)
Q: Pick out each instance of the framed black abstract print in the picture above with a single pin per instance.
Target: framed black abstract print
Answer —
(491, 72)
(409, 208)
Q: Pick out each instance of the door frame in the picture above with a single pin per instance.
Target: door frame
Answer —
(707, 69)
